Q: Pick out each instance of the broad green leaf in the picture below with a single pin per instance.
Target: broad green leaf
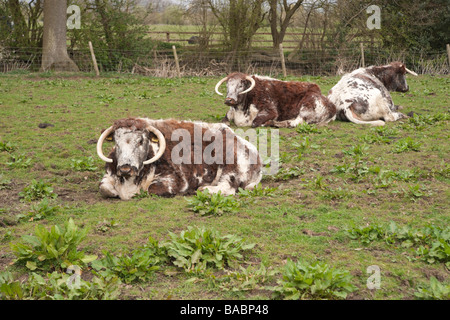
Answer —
(31, 265)
(196, 256)
(89, 258)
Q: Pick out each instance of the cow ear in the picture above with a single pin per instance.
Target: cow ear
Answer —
(152, 137)
(110, 137)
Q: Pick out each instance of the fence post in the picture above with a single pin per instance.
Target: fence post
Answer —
(94, 60)
(448, 53)
(363, 62)
(155, 56)
(176, 61)
(283, 64)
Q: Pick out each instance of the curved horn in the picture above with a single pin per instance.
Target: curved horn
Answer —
(219, 84)
(162, 145)
(102, 138)
(411, 72)
(253, 84)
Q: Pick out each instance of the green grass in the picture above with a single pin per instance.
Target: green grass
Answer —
(262, 38)
(399, 174)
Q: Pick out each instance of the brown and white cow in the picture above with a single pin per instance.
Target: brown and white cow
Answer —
(170, 157)
(262, 101)
(363, 97)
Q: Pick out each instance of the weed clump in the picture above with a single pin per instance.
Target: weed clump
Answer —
(196, 249)
(37, 190)
(56, 249)
(316, 280)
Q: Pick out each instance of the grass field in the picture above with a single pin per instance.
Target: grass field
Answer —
(263, 38)
(346, 197)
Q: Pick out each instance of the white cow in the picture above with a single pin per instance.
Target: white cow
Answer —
(363, 97)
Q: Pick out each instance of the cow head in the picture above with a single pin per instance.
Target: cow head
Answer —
(393, 76)
(237, 85)
(135, 141)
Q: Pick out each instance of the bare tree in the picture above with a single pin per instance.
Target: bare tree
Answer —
(54, 48)
(199, 14)
(239, 19)
(280, 14)
(299, 47)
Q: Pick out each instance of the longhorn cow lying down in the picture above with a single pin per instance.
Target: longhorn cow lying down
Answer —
(170, 157)
(261, 101)
(363, 97)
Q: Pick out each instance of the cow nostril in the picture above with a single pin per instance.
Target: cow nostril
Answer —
(230, 101)
(125, 169)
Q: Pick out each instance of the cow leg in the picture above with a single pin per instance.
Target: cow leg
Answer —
(391, 112)
(228, 117)
(400, 115)
(287, 123)
(224, 190)
(394, 116)
(225, 185)
(226, 120)
(107, 187)
(166, 186)
(265, 118)
(384, 109)
(161, 189)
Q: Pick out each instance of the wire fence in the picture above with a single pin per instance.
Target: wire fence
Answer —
(291, 40)
(196, 62)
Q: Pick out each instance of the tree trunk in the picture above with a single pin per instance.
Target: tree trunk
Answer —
(54, 48)
(273, 14)
(276, 19)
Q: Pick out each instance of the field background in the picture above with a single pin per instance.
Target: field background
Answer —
(305, 216)
(180, 34)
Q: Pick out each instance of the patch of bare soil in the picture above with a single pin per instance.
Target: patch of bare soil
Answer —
(70, 195)
(76, 187)
(441, 275)
(10, 202)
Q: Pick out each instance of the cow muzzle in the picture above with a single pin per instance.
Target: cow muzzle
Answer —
(230, 102)
(403, 89)
(126, 171)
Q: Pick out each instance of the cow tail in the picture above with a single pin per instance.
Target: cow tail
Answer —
(350, 116)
